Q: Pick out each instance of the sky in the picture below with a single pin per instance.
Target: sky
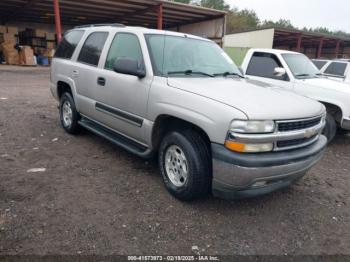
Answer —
(334, 14)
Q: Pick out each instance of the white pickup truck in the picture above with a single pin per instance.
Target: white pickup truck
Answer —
(295, 72)
(334, 69)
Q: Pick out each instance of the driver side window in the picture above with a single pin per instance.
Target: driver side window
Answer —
(263, 65)
(124, 45)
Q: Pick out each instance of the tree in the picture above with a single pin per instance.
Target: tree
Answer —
(241, 20)
(283, 23)
(215, 4)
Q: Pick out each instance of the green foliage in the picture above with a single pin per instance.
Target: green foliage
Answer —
(241, 20)
(215, 4)
(280, 23)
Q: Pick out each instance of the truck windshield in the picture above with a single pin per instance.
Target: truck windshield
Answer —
(301, 66)
(174, 56)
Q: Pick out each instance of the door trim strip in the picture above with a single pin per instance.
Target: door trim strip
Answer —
(120, 114)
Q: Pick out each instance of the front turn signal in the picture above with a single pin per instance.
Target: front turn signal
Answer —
(248, 148)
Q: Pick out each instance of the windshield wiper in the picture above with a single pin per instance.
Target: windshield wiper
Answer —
(189, 72)
(229, 74)
(302, 75)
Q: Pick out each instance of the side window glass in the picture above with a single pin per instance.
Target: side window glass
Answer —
(68, 44)
(319, 64)
(336, 68)
(91, 51)
(124, 45)
(263, 65)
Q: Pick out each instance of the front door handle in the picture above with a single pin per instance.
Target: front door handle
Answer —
(101, 81)
(75, 73)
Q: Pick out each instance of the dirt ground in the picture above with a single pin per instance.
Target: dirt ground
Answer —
(95, 198)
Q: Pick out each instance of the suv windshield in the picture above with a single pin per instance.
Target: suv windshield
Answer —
(301, 66)
(174, 56)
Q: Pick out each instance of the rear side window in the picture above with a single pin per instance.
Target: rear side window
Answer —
(68, 44)
(263, 65)
(319, 64)
(336, 68)
(124, 45)
(91, 51)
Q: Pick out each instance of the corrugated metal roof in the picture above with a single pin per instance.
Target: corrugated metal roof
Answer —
(129, 12)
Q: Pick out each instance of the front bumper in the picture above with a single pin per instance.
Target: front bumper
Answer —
(237, 175)
(345, 124)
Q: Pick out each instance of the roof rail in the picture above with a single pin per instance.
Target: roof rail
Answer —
(96, 25)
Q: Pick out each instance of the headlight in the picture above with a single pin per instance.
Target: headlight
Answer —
(249, 127)
(252, 127)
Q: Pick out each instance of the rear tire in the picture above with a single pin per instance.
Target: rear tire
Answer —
(69, 115)
(331, 127)
(185, 164)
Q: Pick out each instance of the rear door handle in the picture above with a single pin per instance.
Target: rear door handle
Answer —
(101, 81)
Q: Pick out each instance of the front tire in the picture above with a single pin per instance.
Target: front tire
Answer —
(69, 115)
(331, 127)
(185, 164)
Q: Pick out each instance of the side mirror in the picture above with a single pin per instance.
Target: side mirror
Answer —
(128, 66)
(279, 71)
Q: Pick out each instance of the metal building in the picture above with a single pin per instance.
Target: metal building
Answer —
(161, 14)
(314, 45)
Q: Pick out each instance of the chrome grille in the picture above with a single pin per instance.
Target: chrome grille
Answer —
(295, 142)
(298, 125)
(294, 126)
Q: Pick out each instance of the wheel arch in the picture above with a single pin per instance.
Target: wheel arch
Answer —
(334, 110)
(63, 87)
(164, 123)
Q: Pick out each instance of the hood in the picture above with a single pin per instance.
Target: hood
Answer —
(259, 101)
(328, 83)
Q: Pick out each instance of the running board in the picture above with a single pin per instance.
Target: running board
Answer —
(115, 138)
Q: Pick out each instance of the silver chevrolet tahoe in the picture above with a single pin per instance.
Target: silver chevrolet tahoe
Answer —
(180, 97)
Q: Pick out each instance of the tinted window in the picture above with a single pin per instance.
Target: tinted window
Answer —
(68, 44)
(124, 45)
(336, 68)
(91, 51)
(264, 64)
(319, 64)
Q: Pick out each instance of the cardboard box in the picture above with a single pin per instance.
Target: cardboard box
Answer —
(50, 45)
(12, 60)
(26, 56)
(50, 36)
(3, 29)
(39, 33)
(11, 57)
(8, 38)
(49, 53)
(7, 47)
(10, 53)
(12, 30)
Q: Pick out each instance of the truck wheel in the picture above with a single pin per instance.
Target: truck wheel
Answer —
(69, 115)
(185, 164)
(331, 128)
